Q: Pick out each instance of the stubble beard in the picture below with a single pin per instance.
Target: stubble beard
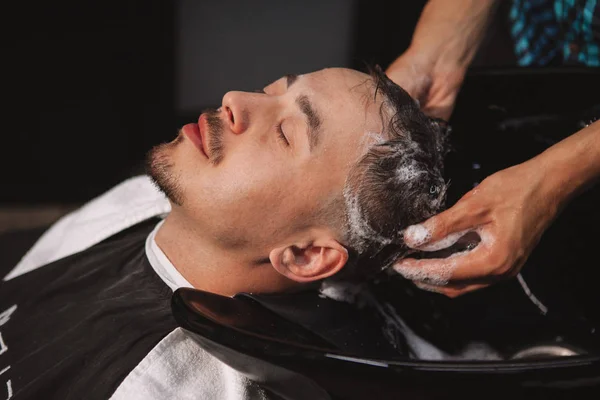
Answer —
(160, 168)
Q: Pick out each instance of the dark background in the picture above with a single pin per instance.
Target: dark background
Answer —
(89, 87)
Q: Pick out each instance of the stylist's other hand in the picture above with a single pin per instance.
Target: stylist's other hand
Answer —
(443, 45)
(430, 81)
(509, 210)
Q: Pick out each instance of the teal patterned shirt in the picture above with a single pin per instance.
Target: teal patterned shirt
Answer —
(556, 32)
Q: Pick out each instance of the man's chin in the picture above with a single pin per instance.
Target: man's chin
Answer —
(159, 167)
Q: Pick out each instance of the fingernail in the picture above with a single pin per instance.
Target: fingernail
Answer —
(416, 235)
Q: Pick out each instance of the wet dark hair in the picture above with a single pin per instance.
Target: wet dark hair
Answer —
(397, 183)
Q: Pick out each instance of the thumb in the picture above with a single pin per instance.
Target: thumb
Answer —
(442, 230)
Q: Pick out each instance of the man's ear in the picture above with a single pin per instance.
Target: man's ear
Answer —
(309, 262)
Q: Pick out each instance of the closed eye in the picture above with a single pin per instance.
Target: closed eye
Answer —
(282, 135)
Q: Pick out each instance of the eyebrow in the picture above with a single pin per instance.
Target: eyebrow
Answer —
(290, 79)
(314, 121)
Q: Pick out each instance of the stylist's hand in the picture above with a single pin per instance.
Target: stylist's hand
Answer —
(510, 210)
(444, 42)
(431, 81)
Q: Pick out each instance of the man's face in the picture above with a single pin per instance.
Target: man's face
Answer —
(257, 171)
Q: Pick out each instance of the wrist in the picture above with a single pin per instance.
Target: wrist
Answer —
(439, 61)
(449, 32)
(550, 188)
(442, 56)
(541, 189)
(572, 165)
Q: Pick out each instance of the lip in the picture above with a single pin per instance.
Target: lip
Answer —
(194, 133)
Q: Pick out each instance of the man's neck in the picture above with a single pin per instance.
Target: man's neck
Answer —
(211, 269)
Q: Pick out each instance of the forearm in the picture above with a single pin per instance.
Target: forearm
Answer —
(571, 165)
(451, 31)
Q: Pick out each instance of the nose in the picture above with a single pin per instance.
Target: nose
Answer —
(237, 108)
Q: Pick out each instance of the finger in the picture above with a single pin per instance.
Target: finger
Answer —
(460, 218)
(429, 288)
(450, 291)
(441, 111)
(444, 243)
(467, 265)
(441, 103)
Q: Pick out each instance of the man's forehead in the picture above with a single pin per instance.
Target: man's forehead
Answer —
(343, 87)
(350, 97)
(338, 80)
(344, 97)
(329, 80)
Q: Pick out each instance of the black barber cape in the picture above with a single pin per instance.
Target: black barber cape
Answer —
(76, 327)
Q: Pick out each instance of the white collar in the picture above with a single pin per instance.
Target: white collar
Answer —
(162, 265)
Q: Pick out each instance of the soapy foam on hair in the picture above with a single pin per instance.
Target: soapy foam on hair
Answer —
(406, 173)
(371, 139)
(359, 230)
